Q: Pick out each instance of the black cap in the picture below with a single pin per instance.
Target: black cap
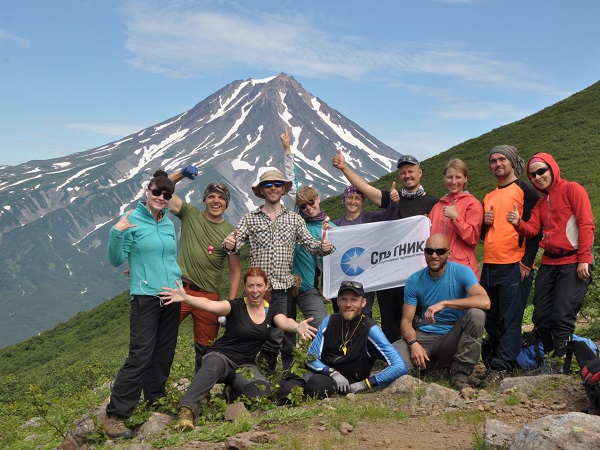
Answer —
(353, 286)
(408, 159)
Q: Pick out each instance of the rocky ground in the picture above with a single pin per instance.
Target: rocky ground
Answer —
(423, 415)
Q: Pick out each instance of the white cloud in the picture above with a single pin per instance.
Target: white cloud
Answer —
(197, 42)
(8, 38)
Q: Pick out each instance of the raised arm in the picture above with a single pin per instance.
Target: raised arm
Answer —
(186, 172)
(169, 295)
(356, 180)
(119, 241)
(288, 167)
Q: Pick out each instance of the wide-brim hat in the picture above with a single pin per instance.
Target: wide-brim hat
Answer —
(271, 175)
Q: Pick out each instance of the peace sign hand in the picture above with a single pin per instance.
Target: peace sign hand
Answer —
(285, 140)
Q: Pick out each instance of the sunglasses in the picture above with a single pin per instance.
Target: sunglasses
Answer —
(438, 251)
(308, 203)
(217, 185)
(352, 284)
(270, 184)
(539, 172)
(158, 193)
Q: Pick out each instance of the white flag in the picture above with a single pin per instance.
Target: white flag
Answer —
(379, 255)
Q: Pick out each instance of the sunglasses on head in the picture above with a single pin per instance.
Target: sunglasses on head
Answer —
(158, 193)
(352, 284)
(438, 251)
(217, 185)
(539, 172)
(270, 184)
(308, 203)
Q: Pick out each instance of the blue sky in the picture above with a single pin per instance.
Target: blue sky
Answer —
(420, 75)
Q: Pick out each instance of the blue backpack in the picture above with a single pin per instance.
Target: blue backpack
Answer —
(531, 355)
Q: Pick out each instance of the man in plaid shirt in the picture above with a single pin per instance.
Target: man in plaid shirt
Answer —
(273, 232)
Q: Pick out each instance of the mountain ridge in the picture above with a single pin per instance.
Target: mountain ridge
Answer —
(56, 214)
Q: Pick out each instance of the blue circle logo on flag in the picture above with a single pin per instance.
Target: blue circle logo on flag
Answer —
(349, 262)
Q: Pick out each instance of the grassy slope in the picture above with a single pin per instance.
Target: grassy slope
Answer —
(81, 354)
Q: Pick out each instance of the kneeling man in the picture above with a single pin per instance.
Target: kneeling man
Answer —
(448, 334)
(343, 353)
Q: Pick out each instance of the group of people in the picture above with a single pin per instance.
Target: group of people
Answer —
(436, 321)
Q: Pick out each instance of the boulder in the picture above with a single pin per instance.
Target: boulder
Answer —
(573, 431)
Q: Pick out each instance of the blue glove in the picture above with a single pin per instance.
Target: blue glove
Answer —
(359, 386)
(340, 382)
(189, 172)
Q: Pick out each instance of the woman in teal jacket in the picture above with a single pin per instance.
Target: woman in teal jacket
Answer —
(145, 238)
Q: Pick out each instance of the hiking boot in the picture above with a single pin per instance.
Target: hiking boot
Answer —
(115, 428)
(460, 381)
(482, 375)
(185, 419)
(493, 379)
(459, 375)
(551, 368)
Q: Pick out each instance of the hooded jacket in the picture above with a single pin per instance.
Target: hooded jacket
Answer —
(565, 214)
(462, 232)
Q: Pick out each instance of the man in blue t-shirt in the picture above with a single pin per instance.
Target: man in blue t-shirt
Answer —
(448, 334)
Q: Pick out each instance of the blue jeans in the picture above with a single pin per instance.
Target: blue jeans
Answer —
(504, 320)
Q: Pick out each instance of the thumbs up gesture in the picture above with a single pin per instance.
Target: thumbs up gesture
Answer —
(230, 241)
(338, 160)
(326, 245)
(488, 217)
(394, 195)
(513, 216)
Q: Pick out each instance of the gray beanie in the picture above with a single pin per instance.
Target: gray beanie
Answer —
(512, 154)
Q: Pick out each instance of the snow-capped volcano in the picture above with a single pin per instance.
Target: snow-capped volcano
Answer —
(55, 214)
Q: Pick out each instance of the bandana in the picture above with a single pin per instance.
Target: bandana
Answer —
(351, 190)
(418, 193)
(512, 154)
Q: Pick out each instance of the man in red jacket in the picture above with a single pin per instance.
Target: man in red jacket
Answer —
(565, 214)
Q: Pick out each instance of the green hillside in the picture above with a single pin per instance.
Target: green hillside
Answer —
(568, 130)
(56, 374)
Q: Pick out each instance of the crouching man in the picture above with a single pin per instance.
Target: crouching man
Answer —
(343, 353)
(449, 332)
